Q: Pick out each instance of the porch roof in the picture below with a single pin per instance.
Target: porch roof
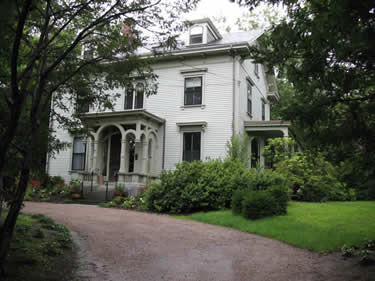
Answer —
(269, 128)
(133, 114)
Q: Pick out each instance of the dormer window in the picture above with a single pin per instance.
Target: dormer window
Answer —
(196, 35)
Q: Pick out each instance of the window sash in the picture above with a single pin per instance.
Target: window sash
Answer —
(79, 154)
(191, 147)
(263, 110)
(249, 99)
(139, 100)
(128, 104)
(193, 91)
(196, 39)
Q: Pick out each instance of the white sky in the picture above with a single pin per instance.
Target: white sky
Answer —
(218, 8)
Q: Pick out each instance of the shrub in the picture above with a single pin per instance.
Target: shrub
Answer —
(197, 186)
(255, 204)
(281, 196)
(314, 176)
(237, 199)
(118, 200)
(258, 204)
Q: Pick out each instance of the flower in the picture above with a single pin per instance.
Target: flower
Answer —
(143, 190)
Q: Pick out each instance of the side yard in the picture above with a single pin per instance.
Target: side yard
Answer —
(315, 226)
(40, 250)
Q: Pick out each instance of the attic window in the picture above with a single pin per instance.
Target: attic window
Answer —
(196, 35)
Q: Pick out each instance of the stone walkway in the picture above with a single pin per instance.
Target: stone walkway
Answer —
(126, 245)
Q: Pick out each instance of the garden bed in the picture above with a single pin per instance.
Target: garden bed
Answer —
(40, 250)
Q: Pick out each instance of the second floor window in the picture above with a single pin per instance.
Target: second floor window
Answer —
(193, 91)
(82, 106)
(249, 99)
(134, 96)
(263, 110)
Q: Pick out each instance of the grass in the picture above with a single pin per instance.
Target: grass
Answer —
(315, 226)
(40, 250)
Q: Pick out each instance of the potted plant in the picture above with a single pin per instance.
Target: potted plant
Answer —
(100, 177)
(75, 189)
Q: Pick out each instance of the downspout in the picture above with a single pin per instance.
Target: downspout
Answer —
(163, 157)
(234, 93)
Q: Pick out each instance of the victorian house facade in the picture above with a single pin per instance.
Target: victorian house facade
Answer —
(208, 90)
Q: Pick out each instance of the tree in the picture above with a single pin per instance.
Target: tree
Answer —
(326, 50)
(42, 61)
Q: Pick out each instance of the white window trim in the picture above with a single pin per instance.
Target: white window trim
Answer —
(203, 35)
(201, 73)
(134, 84)
(249, 81)
(192, 129)
(72, 153)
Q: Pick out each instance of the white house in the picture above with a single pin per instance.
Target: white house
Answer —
(208, 90)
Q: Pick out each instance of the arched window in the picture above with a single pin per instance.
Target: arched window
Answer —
(129, 97)
(139, 89)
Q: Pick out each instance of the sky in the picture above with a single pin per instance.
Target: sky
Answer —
(217, 8)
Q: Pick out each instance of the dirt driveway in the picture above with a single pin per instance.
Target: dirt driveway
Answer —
(125, 245)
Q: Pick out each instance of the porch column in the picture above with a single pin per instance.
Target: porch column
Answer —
(122, 160)
(108, 157)
(144, 156)
(95, 156)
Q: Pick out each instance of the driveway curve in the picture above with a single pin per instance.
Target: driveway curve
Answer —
(126, 245)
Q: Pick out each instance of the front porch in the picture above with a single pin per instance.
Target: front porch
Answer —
(123, 147)
(259, 132)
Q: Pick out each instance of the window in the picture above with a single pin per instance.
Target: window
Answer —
(192, 147)
(82, 106)
(193, 90)
(140, 89)
(129, 97)
(79, 153)
(256, 70)
(255, 156)
(196, 35)
(263, 110)
(249, 99)
(134, 96)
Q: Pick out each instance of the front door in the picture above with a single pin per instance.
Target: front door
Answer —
(115, 156)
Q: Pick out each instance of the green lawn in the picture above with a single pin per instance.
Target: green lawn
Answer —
(315, 226)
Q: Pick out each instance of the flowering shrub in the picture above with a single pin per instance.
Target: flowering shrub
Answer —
(55, 187)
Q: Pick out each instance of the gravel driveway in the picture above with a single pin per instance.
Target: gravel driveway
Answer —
(126, 245)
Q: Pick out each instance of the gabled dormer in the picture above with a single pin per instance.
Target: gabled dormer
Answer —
(201, 31)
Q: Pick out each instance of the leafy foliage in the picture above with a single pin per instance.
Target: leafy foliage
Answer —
(256, 204)
(277, 150)
(210, 185)
(324, 52)
(312, 178)
(237, 149)
(194, 186)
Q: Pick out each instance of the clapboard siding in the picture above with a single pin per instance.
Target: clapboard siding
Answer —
(168, 103)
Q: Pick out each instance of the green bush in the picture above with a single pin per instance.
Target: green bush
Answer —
(254, 204)
(201, 186)
(237, 199)
(258, 204)
(315, 177)
(281, 196)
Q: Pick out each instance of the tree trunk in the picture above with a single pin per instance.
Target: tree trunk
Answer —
(7, 229)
